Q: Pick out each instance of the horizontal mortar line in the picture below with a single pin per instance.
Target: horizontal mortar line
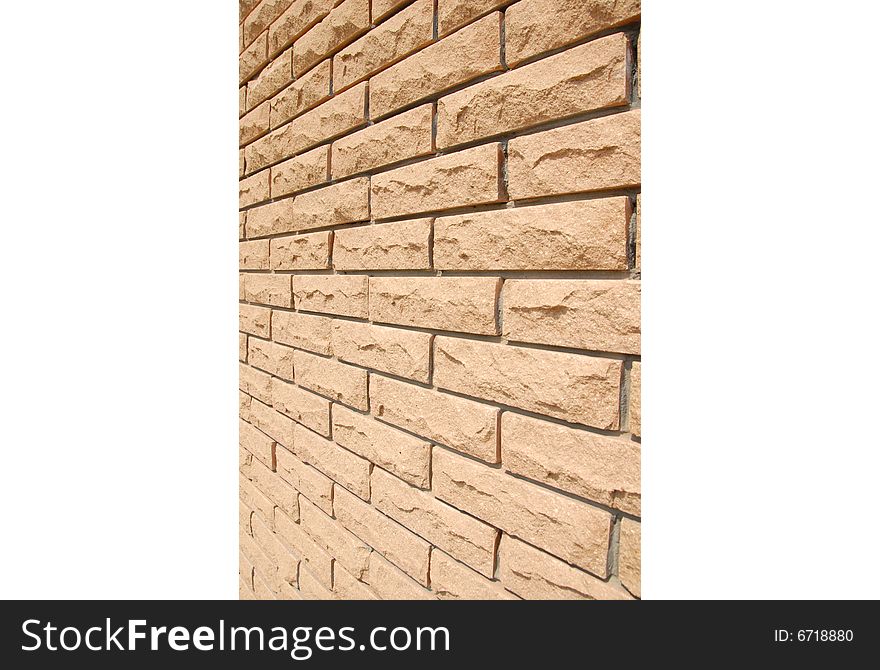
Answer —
(587, 275)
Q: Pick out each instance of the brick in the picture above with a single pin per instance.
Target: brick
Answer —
(311, 587)
(255, 499)
(245, 7)
(306, 92)
(253, 255)
(318, 561)
(346, 587)
(254, 124)
(255, 383)
(635, 399)
(463, 425)
(602, 153)
(241, 170)
(332, 294)
(630, 556)
(301, 406)
(346, 548)
(254, 320)
(338, 115)
(345, 202)
(465, 304)
(310, 483)
(399, 352)
(342, 25)
(581, 235)
(244, 405)
(242, 101)
(469, 177)
(241, 286)
(297, 19)
(262, 591)
(600, 315)
(453, 14)
(465, 55)
(399, 36)
(244, 456)
(338, 381)
(584, 79)
(276, 217)
(301, 252)
(253, 189)
(406, 135)
(572, 530)
(392, 584)
(300, 172)
(286, 563)
(242, 220)
(277, 426)
(576, 388)
(260, 445)
(382, 8)
(534, 575)
(276, 75)
(467, 539)
(260, 18)
(268, 290)
(406, 456)
(273, 358)
(452, 580)
(275, 488)
(402, 245)
(253, 58)
(535, 26)
(598, 467)
(303, 331)
(342, 466)
(242, 347)
(406, 550)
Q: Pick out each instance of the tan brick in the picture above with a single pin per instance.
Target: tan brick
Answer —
(469, 177)
(242, 347)
(464, 425)
(345, 202)
(346, 587)
(630, 557)
(403, 33)
(342, 466)
(535, 26)
(242, 220)
(467, 539)
(404, 455)
(301, 406)
(275, 359)
(260, 18)
(262, 591)
(347, 549)
(241, 286)
(288, 592)
(452, 580)
(253, 189)
(601, 315)
(576, 388)
(303, 331)
(300, 172)
(342, 25)
(597, 467)
(465, 304)
(255, 499)
(399, 352)
(245, 7)
(255, 383)
(276, 75)
(332, 294)
(338, 115)
(318, 561)
(309, 482)
(534, 575)
(592, 155)
(286, 564)
(406, 550)
(302, 95)
(268, 289)
(311, 587)
(277, 426)
(275, 488)
(253, 58)
(301, 252)
(241, 170)
(254, 320)
(402, 245)
(244, 405)
(403, 136)
(242, 101)
(333, 379)
(453, 14)
(472, 51)
(276, 217)
(635, 399)
(575, 531)
(299, 17)
(382, 8)
(254, 124)
(253, 255)
(587, 78)
(260, 445)
(581, 235)
(244, 456)
(392, 584)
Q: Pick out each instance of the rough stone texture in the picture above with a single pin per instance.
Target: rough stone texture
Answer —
(318, 562)
(272, 79)
(260, 18)
(635, 399)
(253, 255)
(465, 304)
(400, 137)
(298, 173)
(392, 584)
(398, 352)
(601, 315)
(299, 17)
(536, 26)
(579, 235)
(402, 245)
(342, 466)
(254, 124)
(254, 189)
(307, 91)
(301, 252)
(303, 407)
(597, 467)
(252, 59)
(346, 548)
(630, 556)
(303, 331)
(350, 19)
(453, 14)
(452, 580)
(260, 445)
(590, 77)
(602, 153)
(339, 382)
(268, 289)
(472, 51)
(463, 425)
(345, 202)
(347, 587)
(390, 41)
(255, 383)
(276, 217)
(574, 531)
(382, 8)
(332, 294)
(273, 358)
(274, 424)
(254, 320)
(306, 480)
(576, 388)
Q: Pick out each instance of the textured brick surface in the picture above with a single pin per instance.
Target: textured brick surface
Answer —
(440, 299)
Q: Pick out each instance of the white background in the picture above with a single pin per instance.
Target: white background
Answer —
(119, 429)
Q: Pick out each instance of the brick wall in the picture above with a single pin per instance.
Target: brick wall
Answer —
(440, 299)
